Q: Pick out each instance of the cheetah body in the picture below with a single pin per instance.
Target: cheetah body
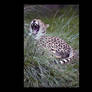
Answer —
(58, 47)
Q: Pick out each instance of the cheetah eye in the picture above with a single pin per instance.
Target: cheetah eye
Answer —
(35, 27)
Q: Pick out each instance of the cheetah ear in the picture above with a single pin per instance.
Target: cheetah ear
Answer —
(47, 25)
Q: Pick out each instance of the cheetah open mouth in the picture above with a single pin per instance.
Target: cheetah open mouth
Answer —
(35, 27)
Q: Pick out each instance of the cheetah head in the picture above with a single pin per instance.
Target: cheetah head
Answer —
(38, 28)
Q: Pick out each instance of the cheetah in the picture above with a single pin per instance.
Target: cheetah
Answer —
(58, 47)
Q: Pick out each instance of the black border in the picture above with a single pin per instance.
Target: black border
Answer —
(20, 35)
(20, 45)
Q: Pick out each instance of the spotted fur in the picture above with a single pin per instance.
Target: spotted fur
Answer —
(58, 47)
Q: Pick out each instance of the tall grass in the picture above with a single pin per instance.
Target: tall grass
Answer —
(40, 70)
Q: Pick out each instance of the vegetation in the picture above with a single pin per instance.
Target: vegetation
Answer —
(41, 70)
